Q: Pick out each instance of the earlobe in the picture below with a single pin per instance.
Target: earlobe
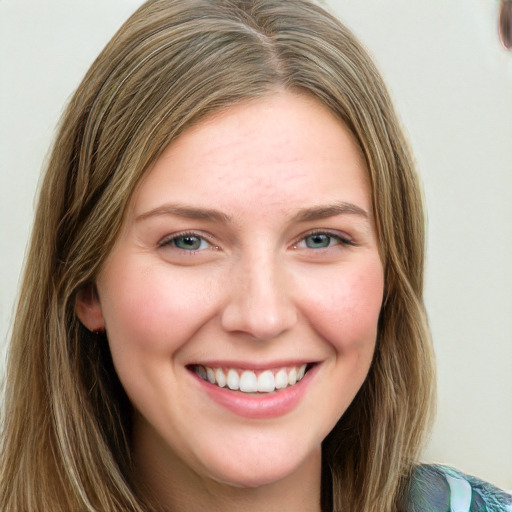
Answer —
(88, 309)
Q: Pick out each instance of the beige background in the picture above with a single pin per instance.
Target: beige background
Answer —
(452, 84)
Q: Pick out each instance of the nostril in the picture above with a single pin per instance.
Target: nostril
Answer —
(259, 319)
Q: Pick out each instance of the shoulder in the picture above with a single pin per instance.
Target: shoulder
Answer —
(436, 488)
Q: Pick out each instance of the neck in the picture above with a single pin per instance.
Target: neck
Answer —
(176, 487)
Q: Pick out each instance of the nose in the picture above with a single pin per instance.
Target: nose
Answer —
(260, 299)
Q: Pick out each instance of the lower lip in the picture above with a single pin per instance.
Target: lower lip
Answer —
(262, 406)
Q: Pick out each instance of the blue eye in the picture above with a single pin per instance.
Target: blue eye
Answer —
(186, 242)
(318, 241)
(323, 240)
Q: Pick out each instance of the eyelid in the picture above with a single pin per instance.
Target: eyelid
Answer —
(168, 239)
(341, 236)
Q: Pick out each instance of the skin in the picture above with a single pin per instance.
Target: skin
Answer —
(259, 290)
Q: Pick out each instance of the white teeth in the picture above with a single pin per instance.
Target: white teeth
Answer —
(210, 375)
(233, 381)
(281, 379)
(220, 377)
(266, 382)
(248, 382)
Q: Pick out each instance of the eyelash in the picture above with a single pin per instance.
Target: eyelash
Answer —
(343, 240)
(171, 240)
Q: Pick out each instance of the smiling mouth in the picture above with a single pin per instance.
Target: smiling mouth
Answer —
(249, 381)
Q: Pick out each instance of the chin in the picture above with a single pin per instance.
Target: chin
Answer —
(262, 467)
(251, 478)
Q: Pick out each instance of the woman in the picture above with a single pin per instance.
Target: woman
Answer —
(222, 304)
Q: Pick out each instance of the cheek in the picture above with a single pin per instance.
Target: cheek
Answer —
(152, 309)
(346, 311)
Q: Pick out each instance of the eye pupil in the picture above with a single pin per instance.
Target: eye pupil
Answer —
(190, 243)
(318, 241)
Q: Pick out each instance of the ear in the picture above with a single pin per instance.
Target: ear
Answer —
(88, 309)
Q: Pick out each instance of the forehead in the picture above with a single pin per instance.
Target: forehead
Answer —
(281, 148)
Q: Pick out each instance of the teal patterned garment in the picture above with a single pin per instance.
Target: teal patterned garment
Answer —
(436, 488)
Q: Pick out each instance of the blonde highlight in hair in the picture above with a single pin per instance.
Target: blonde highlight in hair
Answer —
(67, 421)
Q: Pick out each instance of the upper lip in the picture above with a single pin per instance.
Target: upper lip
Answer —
(252, 365)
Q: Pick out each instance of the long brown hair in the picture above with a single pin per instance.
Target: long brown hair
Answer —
(66, 422)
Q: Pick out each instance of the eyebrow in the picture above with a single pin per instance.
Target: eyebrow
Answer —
(189, 212)
(330, 210)
(304, 215)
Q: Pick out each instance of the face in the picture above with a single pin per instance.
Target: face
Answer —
(241, 299)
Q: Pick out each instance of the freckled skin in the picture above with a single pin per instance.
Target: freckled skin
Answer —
(255, 292)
